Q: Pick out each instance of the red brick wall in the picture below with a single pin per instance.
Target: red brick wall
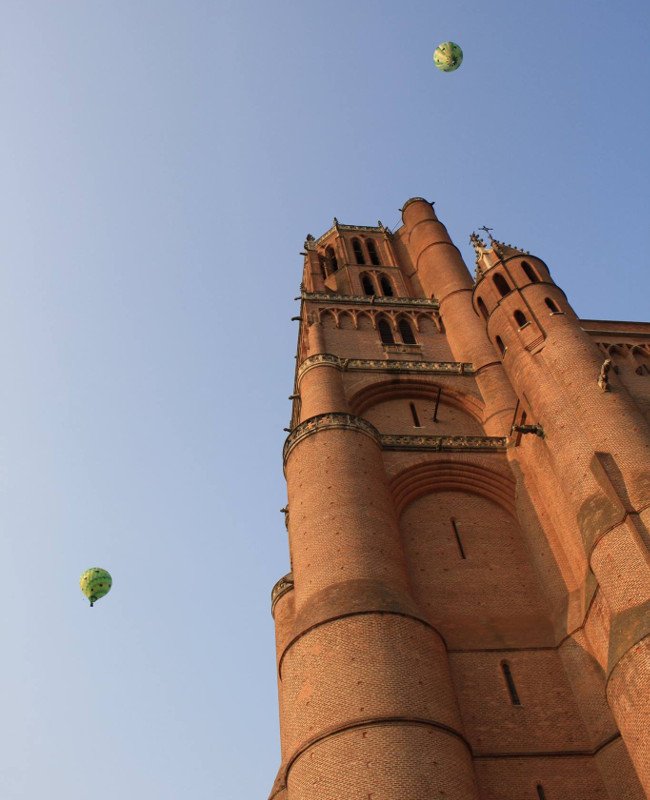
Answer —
(391, 646)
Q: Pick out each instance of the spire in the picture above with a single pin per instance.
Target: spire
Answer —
(487, 257)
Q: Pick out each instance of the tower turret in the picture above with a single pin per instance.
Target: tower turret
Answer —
(597, 443)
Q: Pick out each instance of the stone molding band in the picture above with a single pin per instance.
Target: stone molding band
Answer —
(341, 420)
(284, 585)
(385, 365)
(370, 300)
(331, 420)
(443, 443)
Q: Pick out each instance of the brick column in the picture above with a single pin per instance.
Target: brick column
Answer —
(368, 705)
(443, 274)
(598, 445)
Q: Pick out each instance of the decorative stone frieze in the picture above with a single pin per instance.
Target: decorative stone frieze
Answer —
(370, 300)
(386, 365)
(443, 443)
(283, 586)
(326, 422)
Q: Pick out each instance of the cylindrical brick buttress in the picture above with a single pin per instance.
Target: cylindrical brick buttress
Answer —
(368, 705)
(598, 445)
(443, 274)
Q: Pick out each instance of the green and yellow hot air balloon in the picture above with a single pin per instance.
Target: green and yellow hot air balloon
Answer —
(95, 583)
(448, 56)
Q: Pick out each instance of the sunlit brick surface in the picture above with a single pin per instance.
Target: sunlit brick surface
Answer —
(470, 604)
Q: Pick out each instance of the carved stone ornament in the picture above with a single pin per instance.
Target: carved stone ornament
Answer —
(603, 378)
(283, 586)
(443, 443)
(373, 299)
(327, 421)
(386, 365)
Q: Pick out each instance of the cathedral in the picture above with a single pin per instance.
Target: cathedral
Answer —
(467, 612)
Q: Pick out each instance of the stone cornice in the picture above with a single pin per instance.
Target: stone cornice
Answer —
(385, 365)
(341, 227)
(443, 443)
(334, 419)
(369, 300)
(283, 586)
(341, 420)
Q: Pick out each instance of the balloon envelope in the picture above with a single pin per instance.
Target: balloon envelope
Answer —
(448, 56)
(95, 583)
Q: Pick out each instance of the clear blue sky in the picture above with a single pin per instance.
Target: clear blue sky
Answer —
(161, 165)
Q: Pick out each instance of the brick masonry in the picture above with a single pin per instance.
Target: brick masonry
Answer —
(468, 610)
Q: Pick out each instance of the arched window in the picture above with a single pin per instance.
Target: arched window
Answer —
(501, 284)
(386, 286)
(520, 318)
(540, 792)
(385, 332)
(368, 285)
(330, 255)
(501, 346)
(323, 267)
(551, 305)
(530, 272)
(405, 332)
(510, 682)
(482, 307)
(358, 251)
(372, 252)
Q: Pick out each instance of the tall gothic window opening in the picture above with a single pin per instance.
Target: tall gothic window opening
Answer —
(386, 286)
(501, 285)
(405, 332)
(520, 318)
(385, 332)
(551, 305)
(332, 263)
(510, 682)
(540, 792)
(372, 252)
(530, 272)
(501, 346)
(482, 308)
(368, 285)
(358, 251)
(414, 414)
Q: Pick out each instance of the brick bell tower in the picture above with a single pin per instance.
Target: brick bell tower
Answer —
(468, 614)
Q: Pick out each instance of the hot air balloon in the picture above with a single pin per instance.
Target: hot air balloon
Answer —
(95, 583)
(448, 56)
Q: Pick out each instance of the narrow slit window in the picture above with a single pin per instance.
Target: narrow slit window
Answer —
(482, 307)
(507, 674)
(414, 414)
(501, 285)
(551, 305)
(386, 287)
(358, 252)
(530, 272)
(541, 794)
(501, 346)
(405, 332)
(520, 318)
(372, 252)
(385, 332)
(461, 549)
